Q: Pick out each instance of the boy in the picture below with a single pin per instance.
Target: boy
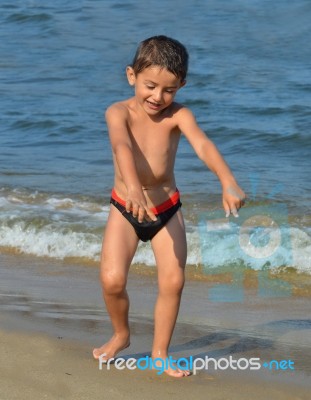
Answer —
(145, 205)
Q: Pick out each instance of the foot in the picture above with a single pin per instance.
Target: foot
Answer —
(112, 348)
(177, 373)
(171, 369)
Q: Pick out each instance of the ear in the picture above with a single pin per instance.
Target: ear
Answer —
(130, 76)
(182, 83)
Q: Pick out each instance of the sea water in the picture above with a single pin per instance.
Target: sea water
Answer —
(249, 85)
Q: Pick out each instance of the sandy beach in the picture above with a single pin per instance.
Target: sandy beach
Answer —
(51, 318)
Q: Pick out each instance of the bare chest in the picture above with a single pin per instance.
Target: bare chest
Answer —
(154, 141)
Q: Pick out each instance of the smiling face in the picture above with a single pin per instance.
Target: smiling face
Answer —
(155, 88)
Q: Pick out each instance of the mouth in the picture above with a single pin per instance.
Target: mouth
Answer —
(154, 106)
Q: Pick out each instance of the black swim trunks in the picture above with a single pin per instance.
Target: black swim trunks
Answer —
(146, 230)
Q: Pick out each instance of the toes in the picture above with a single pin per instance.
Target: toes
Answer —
(97, 353)
(178, 373)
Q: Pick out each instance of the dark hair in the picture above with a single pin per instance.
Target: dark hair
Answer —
(164, 52)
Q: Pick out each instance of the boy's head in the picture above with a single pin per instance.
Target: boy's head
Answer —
(162, 52)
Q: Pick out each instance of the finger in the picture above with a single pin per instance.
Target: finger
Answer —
(128, 205)
(244, 200)
(227, 209)
(135, 210)
(141, 214)
(150, 214)
(236, 206)
(234, 212)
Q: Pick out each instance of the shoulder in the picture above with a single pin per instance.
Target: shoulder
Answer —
(117, 110)
(178, 110)
(183, 115)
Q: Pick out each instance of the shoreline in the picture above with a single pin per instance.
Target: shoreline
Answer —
(299, 282)
(55, 309)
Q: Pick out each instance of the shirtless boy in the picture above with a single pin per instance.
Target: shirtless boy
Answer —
(144, 132)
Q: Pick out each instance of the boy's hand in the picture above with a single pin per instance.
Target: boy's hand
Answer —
(137, 205)
(233, 199)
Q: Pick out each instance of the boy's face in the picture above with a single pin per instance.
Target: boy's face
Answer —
(155, 88)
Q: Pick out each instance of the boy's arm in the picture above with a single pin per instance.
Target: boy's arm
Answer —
(116, 118)
(233, 195)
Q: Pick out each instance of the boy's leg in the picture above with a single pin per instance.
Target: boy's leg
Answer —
(119, 246)
(170, 249)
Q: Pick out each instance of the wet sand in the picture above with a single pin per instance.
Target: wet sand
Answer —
(52, 315)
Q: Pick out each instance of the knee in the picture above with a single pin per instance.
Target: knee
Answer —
(112, 283)
(173, 284)
(178, 283)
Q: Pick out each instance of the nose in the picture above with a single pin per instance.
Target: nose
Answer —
(157, 95)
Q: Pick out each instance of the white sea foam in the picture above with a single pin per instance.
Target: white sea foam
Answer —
(49, 243)
(301, 248)
(61, 227)
(287, 247)
(62, 241)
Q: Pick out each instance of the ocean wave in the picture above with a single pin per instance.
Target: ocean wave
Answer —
(24, 17)
(66, 242)
(31, 125)
(64, 227)
(50, 242)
